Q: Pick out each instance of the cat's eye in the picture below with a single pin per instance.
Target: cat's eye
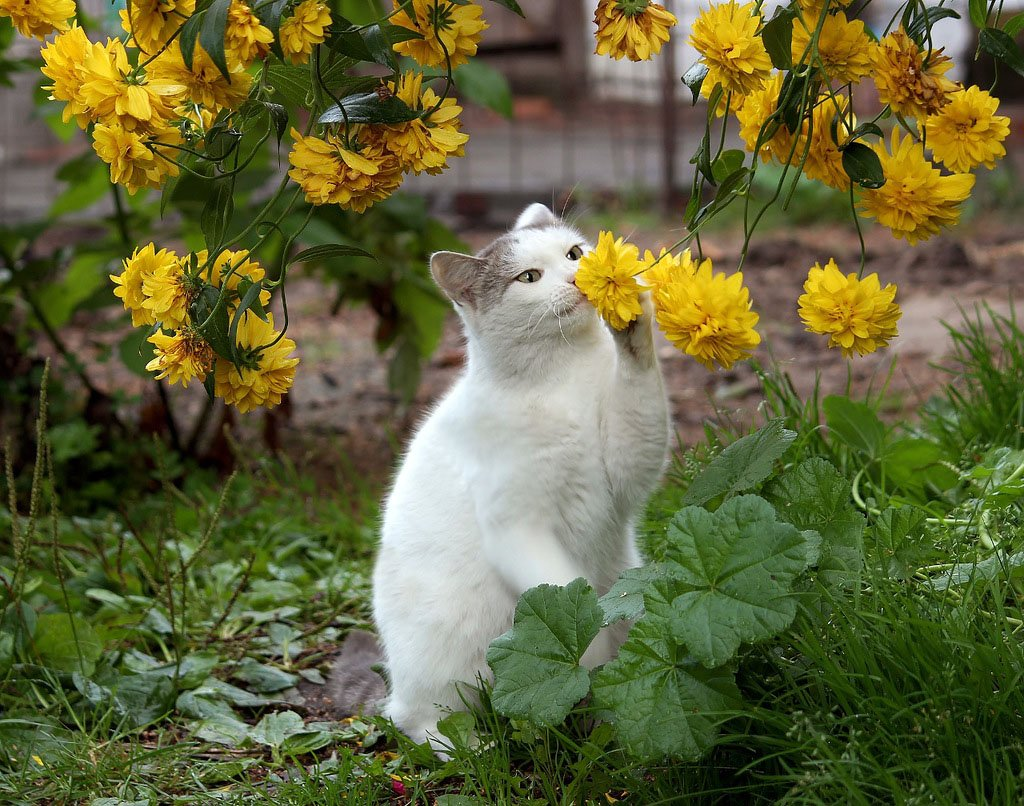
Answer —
(575, 253)
(529, 276)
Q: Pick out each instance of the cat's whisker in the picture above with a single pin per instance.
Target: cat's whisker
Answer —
(561, 332)
(543, 313)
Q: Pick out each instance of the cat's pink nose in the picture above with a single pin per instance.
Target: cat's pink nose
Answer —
(572, 279)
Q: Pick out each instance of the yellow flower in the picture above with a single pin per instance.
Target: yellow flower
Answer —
(267, 372)
(153, 22)
(114, 92)
(245, 37)
(916, 199)
(607, 277)
(912, 82)
(134, 161)
(203, 84)
(244, 269)
(38, 18)
(424, 144)
(967, 131)
(329, 172)
(304, 30)
(857, 315)
(811, 9)
(708, 316)
(843, 47)
(635, 29)
(824, 159)
(136, 270)
(180, 357)
(667, 268)
(168, 293)
(752, 115)
(445, 27)
(726, 38)
(62, 63)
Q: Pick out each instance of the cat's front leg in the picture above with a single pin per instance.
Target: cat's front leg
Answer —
(526, 554)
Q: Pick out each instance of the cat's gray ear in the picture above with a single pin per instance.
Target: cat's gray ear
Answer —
(458, 275)
(536, 215)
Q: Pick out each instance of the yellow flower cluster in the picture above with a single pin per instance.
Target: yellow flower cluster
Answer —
(444, 32)
(369, 163)
(958, 125)
(38, 18)
(705, 314)
(634, 29)
(160, 289)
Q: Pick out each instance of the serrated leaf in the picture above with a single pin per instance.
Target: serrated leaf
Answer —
(855, 424)
(814, 495)
(777, 36)
(735, 567)
(369, 107)
(1003, 47)
(536, 664)
(746, 462)
(484, 85)
(897, 537)
(694, 78)
(625, 599)
(67, 643)
(862, 165)
(663, 702)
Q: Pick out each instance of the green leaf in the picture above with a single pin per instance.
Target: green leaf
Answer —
(459, 727)
(727, 163)
(67, 643)
(663, 702)
(777, 35)
(537, 663)
(83, 189)
(862, 165)
(978, 10)
(511, 5)
(694, 78)
(1003, 47)
(855, 424)
(188, 36)
(898, 537)
(215, 322)
(269, 15)
(135, 351)
(211, 35)
(274, 728)
(918, 466)
(923, 22)
(736, 567)
(84, 277)
(625, 599)
(366, 45)
(1014, 25)
(222, 729)
(322, 252)
(863, 130)
(369, 107)
(746, 462)
(814, 495)
(262, 678)
(217, 212)
(484, 85)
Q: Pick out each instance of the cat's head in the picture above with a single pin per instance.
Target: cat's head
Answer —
(520, 287)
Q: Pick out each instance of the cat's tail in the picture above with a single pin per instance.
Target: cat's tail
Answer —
(354, 685)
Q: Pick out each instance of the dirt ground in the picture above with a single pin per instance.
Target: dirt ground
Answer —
(344, 417)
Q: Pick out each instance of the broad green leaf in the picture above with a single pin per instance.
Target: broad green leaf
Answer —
(727, 163)
(897, 537)
(264, 679)
(663, 702)
(136, 351)
(83, 190)
(814, 495)
(211, 35)
(274, 728)
(735, 567)
(482, 84)
(625, 599)
(855, 424)
(862, 165)
(746, 462)
(222, 729)
(215, 322)
(993, 567)
(1015, 24)
(23, 738)
(67, 643)
(86, 275)
(978, 10)
(536, 664)
(459, 727)
(777, 35)
(369, 107)
(306, 741)
(134, 700)
(918, 465)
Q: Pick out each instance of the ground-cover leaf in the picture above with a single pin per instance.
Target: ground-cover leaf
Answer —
(625, 599)
(67, 643)
(814, 495)
(286, 731)
(917, 466)
(663, 701)
(998, 565)
(262, 678)
(735, 568)
(897, 534)
(855, 424)
(536, 663)
(222, 729)
(744, 463)
(22, 738)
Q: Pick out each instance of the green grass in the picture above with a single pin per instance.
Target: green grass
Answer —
(201, 606)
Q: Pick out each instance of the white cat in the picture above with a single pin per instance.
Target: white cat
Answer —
(532, 469)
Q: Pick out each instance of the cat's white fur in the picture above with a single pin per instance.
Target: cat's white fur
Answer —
(532, 469)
